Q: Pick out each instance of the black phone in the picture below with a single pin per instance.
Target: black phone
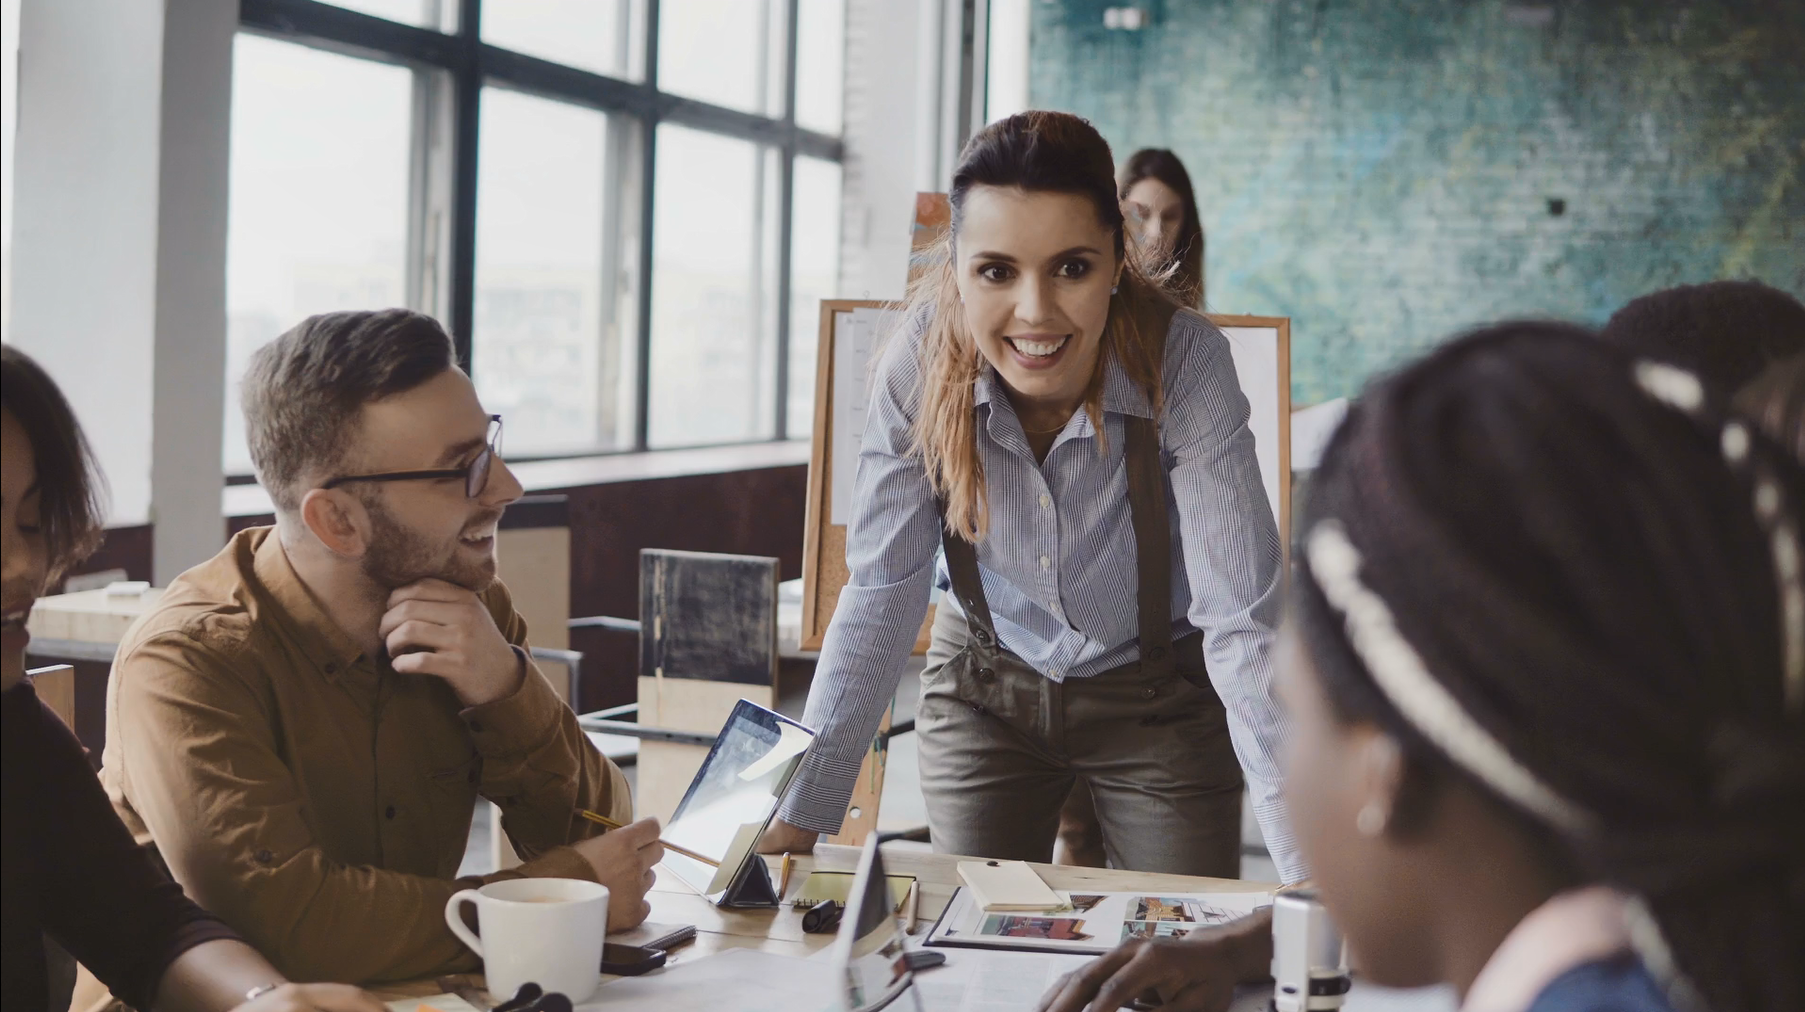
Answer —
(630, 960)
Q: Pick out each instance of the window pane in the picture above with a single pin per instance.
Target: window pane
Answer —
(729, 52)
(318, 207)
(713, 290)
(820, 54)
(814, 275)
(439, 14)
(597, 35)
(550, 339)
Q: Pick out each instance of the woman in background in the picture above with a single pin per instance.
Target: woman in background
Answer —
(1160, 212)
(1545, 679)
(71, 870)
(1161, 209)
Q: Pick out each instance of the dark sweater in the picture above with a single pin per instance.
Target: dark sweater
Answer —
(70, 870)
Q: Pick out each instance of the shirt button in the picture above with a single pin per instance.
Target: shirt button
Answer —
(1045, 562)
(1053, 673)
(389, 812)
(1046, 501)
(1149, 692)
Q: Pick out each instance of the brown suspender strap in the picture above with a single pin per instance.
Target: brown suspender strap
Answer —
(1152, 537)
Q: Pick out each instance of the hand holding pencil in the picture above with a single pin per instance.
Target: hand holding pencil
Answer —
(622, 860)
(603, 820)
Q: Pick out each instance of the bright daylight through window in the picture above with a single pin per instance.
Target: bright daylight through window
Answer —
(624, 263)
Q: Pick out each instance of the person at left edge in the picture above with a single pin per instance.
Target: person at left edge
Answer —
(75, 882)
(302, 725)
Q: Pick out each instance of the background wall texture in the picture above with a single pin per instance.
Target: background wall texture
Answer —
(1388, 172)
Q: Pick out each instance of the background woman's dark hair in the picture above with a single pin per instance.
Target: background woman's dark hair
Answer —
(1579, 566)
(70, 488)
(1186, 260)
(1728, 332)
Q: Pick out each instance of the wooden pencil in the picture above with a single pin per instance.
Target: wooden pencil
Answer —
(668, 845)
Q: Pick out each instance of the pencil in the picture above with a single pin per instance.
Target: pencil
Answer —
(914, 905)
(668, 845)
(783, 877)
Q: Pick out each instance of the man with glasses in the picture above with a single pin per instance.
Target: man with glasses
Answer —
(303, 724)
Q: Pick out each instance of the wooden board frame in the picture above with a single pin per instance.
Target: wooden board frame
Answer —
(823, 541)
(1282, 324)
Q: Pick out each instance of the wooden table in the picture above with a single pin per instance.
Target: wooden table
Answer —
(780, 931)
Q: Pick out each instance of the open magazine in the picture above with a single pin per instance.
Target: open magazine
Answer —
(1095, 922)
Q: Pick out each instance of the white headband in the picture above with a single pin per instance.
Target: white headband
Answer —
(1682, 391)
(1406, 682)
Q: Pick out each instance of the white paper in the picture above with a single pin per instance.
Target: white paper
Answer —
(440, 1002)
(980, 980)
(790, 740)
(1311, 428)
(738, 980)
(1256, 354)
(857, 335)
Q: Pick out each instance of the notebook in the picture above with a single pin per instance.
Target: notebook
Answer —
(1008, 887)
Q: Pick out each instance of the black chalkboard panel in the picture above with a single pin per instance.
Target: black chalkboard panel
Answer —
(708, 616)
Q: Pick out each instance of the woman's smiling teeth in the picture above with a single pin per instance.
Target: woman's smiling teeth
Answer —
(1037, 347)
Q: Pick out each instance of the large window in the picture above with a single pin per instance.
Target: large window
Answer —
(623, 210)
(317, 217)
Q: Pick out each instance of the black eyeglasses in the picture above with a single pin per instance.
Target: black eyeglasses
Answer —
(475, 473)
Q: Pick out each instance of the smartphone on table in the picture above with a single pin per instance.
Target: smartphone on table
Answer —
(633, 960)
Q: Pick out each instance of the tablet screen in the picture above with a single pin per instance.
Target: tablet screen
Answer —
(734, 795)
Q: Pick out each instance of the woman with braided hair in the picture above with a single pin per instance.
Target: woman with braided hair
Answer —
(1545, 678)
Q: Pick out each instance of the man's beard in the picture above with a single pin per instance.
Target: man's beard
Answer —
(399, 556)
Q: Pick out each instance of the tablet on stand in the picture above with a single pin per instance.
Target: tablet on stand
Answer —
(731, 801)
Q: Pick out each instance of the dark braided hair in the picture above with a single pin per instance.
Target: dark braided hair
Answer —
(1599, 582)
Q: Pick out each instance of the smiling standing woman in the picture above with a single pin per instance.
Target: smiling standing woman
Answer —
(1079, 446)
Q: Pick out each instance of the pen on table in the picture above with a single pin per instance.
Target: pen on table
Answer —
(668, 845)
(914, 902)
(783, 877)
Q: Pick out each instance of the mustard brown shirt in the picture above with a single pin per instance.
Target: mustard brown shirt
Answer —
(312, 797)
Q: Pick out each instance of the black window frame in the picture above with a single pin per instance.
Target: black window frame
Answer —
(471, 63)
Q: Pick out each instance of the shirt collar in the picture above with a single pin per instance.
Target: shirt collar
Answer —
(1572, 929)
(327, 645)
(1121, 395)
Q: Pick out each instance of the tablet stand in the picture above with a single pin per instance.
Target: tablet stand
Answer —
(751, 887)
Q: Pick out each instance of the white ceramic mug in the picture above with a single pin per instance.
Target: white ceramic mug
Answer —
(545, 930)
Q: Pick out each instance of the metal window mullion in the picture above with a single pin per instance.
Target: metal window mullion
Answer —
(786, 216)
(648, 175)
(468, 92)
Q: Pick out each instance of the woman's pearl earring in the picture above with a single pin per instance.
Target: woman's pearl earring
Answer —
(1114, 288)
(1371, 820)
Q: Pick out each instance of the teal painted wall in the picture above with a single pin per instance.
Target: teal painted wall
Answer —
(1383, 172)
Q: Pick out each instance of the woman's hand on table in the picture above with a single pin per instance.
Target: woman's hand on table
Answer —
(782, 838)
(314, 998)
(1193, 974)
(622, 860)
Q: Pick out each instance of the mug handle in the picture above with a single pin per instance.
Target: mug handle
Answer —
(454, 919)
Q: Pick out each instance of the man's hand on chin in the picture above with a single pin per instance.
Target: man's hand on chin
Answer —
(441, 629)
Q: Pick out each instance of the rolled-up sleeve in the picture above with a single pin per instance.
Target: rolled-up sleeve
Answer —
(1231, 548)
(890, 550)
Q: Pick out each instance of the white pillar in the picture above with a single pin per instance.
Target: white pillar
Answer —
(119, 246)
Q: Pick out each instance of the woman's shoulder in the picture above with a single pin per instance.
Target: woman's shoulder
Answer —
(1197, 352)
(1620, 984)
